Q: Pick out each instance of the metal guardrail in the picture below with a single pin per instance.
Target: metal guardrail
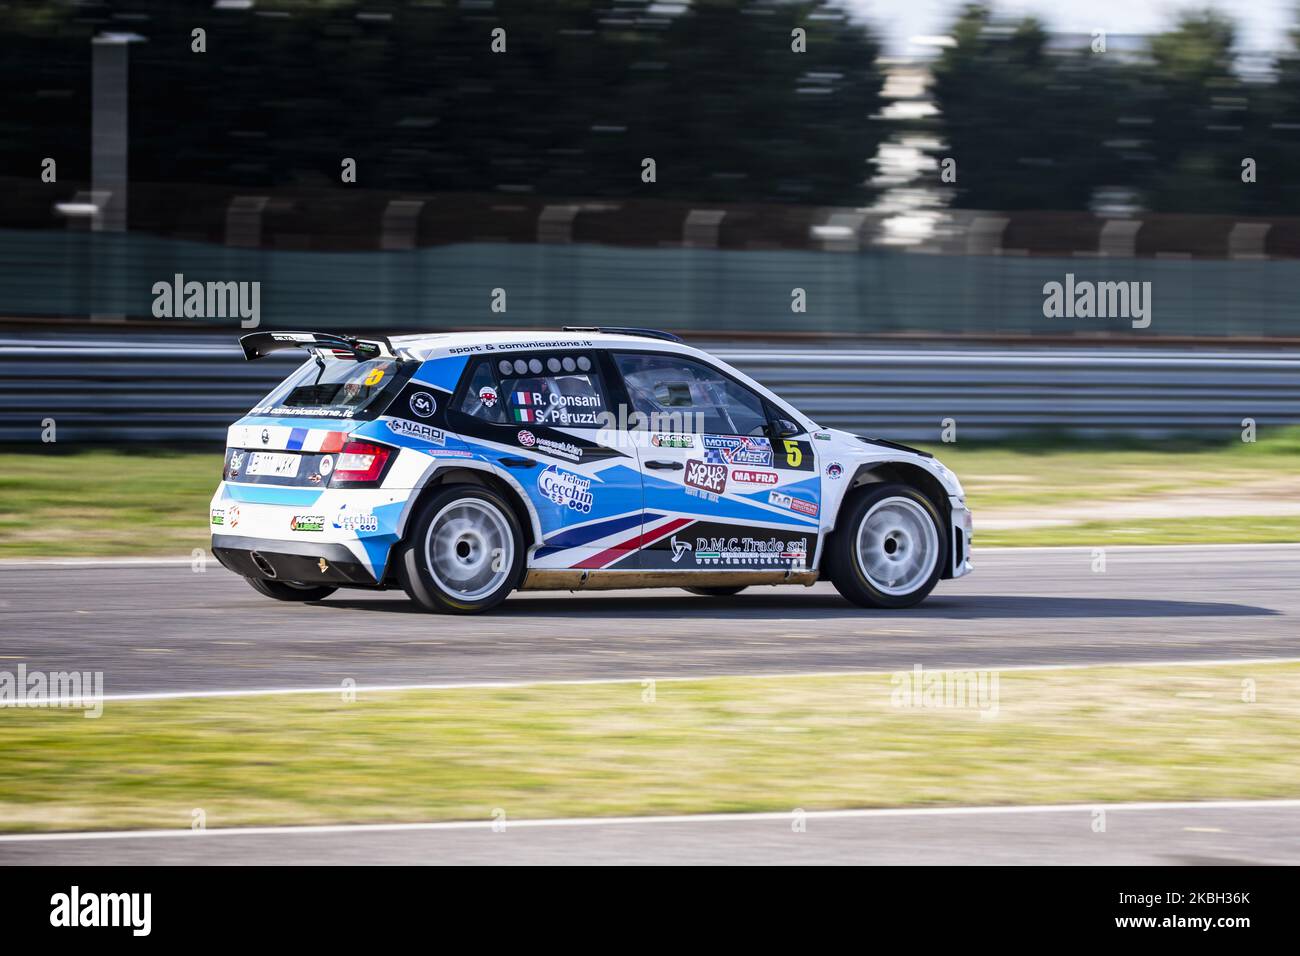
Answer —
(104, 389)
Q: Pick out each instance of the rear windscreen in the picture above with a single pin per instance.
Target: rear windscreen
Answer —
(337, 388)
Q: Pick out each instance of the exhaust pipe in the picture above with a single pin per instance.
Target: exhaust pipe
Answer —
(262, 564)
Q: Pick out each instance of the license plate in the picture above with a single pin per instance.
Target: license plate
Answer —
(279, 466)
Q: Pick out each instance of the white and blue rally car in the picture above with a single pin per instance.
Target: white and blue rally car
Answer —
(463, 466)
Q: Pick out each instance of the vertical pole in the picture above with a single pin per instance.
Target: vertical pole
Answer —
(108, 169)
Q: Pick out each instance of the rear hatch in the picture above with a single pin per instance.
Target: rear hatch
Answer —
(299, 434)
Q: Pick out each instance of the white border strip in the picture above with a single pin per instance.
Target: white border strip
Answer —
(782, 816)
(673, 679)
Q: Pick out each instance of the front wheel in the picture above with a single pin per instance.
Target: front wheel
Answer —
(464, 553)
(888, 548)
(726, 591)
(288, 591)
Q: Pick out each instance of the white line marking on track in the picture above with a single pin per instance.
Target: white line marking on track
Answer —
(780, 815)
(597, 681)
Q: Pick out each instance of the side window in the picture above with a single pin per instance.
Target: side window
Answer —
(674, 393)
(561, 390)
(482, 397)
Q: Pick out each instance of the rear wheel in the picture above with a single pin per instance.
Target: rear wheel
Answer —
(465, 552)
(289, 591)
(727, 591)
(889, 548)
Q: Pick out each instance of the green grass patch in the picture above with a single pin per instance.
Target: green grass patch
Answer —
(138, 500)
(998, 477)
(1281, 529)
(726, 744)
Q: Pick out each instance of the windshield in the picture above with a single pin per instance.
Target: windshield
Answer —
(335, 388)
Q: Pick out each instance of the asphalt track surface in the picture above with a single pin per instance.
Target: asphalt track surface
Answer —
(165, 628)
(162, 627)
(1208, 835)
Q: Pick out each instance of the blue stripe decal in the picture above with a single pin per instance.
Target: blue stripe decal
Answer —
(272, 494)
(673, 497)
(590, 532)
(442, 372)
(296, 438)
(378, 545)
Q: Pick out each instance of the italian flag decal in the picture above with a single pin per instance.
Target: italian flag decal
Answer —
(525, 415)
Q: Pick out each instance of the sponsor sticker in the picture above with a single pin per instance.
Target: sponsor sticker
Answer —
(218, 516)
(781, 500)
(738, 450)
(560, 449)
(706, 476)
(266, 437)
(312, 412)
(232, 516)
(747, 476)
(375, 377)
(746, 550)
(417, 430)
(355, 521)
(672, 441)
(488, 396)
(422, 404)
(326, 465)
(822, 436)
(307, 523)
(566, 488)
(834, 470)
(236, 463)
(809, 508)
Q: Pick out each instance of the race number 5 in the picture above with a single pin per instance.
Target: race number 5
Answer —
(793, 454)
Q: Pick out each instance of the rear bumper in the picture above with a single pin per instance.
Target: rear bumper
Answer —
(307, 562)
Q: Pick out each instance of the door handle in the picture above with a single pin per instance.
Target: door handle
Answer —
(518, 462)
(661, 465)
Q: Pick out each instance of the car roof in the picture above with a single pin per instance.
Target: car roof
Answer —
(440, 344)
(427, 345)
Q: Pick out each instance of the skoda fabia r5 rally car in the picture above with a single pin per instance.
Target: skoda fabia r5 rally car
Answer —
(461, 467)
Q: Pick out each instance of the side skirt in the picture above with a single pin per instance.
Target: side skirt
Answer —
(568, 580)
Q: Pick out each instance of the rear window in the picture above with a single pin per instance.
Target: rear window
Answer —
(336, 388)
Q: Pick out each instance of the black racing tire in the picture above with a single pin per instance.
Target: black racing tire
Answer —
(289, 591)
(727, 591)
(464, 551)
(904, 533)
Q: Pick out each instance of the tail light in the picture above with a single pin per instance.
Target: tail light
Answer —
(361, 461)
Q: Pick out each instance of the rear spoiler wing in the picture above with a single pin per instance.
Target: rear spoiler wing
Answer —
(260, 344)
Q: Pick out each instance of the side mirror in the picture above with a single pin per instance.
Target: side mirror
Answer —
(780, 428)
